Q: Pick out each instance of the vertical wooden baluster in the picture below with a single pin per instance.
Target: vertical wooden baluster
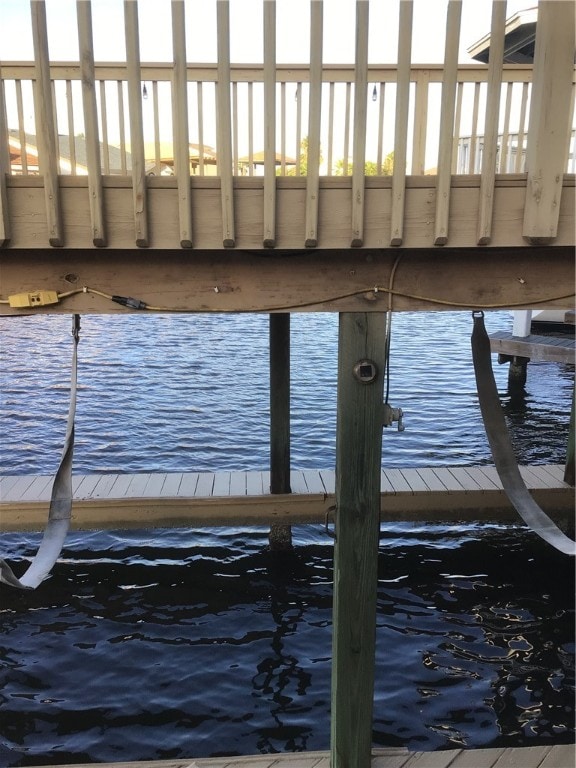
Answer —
(330, 129)
(380, 151)
(474, 134)
(549, 119)
(71, 137)
(283, 126)
(4, 169)
(139, 191)
(155, 107)
(314, 121)
(519, 166)
(180, 123)
(224, 124)
(502, 160)
(298, 128)
(490, 153)
(346, 130)
(86, 49)
(420, 123)
(360, 116)
(447, 122)
(21, 131)
(269, 236)
(401, 122)
(457, 124)
(200, 102)
(45, 126)
(235, 166)
(121, 125)
(104, 123)
(250, 129)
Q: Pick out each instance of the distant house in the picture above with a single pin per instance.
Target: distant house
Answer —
(160, 159)
(71, 156)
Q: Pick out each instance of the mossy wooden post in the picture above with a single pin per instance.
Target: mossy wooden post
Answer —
(569, 471)
(361, 362)
(280, 535)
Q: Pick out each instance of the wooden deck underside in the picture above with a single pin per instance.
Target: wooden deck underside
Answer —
(243, 498)
(562, 756)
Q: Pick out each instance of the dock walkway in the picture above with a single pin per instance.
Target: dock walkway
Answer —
(562, 756)
(554, 349)
(192, 499)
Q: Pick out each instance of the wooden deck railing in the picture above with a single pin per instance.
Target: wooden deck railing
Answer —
(292, 89)
(269, 119)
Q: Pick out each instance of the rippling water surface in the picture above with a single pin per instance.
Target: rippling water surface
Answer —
(186, 643)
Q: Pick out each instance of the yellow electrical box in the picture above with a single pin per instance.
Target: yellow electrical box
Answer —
(34, 299)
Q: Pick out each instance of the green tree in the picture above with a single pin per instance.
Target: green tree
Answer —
(303, 171)
(370, 167)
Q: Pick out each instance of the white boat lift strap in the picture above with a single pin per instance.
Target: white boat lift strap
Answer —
(60, 510)
(501, 445)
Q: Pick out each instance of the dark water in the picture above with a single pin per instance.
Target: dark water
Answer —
(188, 643)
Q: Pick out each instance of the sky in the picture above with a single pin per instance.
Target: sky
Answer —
(246, 25)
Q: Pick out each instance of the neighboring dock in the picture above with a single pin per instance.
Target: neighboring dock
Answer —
(193, 499)
(563, 756)
(554, 349)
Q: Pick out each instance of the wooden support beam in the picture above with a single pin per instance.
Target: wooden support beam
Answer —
(224, 124)
(269, 238)
(360, 116)
(549, 119)
(280, 534)
(401, 123)
(490, 153)
(139, 191)
(361, 363)
(447, 122)
(180, 122)
(48, 151)
(314, 122)
(95, 196)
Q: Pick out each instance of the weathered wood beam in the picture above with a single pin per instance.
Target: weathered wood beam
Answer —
(549, 119)
(29, 228)
(324, 280)
(361, 364)
(269, 214)
(314, 123)
(360, 117)
(4, 169)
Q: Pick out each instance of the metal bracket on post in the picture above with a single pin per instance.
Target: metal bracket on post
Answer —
(390, 415)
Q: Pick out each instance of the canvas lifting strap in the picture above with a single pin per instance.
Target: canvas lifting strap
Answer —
(501, 445)
(60, 510)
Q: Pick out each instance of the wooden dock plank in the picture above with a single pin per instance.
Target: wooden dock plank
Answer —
(221, 486)
(14, 493)
(137, 485)
(40, 488)
(314, 481)
(449, 480)
(254, 483)
(298, 482)
(398, 481)
(432, 479)
(560, 756)
(488, 477)
(415, 481)
(205, 484)
(103, 488)
(155, 484)
(86, 486)
(238, 483)
(172, 483)
(188, 484)
(548, 480)
(527, 757)
(466, 480)
(121, 486)
(328, 477)
(6, 482)
(477, 758)
(385, 484)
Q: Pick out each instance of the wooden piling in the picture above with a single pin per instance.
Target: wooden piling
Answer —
(361, 363)
(280, 536)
